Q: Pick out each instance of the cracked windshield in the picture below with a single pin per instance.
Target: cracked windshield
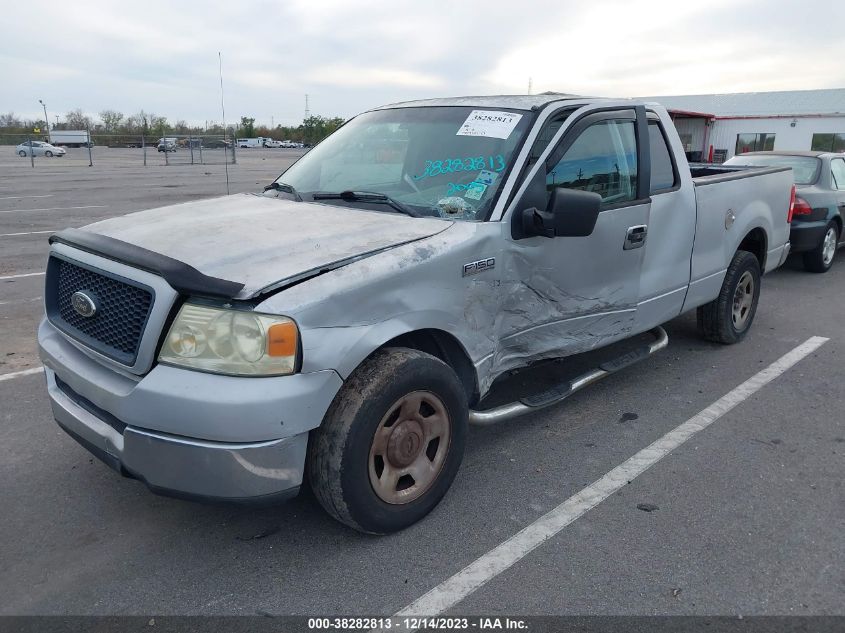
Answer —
(446, 162)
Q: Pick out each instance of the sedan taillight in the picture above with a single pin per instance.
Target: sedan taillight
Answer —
(801, 207)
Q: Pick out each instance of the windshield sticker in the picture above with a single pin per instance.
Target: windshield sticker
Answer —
(493, 163)
(475, 190)
(490, 123)
(486, 177)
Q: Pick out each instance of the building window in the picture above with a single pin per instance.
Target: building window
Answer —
(828, 143)
(754, 143)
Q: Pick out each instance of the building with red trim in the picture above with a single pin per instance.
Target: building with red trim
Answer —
(718, 126)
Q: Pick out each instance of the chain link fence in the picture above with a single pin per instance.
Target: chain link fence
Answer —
(121, 149)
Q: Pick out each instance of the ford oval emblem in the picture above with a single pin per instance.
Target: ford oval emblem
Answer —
(83, 304)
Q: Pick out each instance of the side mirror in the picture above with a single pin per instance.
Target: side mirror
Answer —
(570, 213)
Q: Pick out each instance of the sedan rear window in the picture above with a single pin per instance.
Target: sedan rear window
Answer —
(804, 168)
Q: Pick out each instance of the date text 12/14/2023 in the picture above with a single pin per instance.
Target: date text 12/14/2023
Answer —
(417, 623)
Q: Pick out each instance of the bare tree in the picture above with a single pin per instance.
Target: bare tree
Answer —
(111, 120)
(10, 120)
(158, 123)
(77, 119)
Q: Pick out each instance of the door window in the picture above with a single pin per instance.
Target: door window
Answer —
(837, 170)
(662, 171)
(603, 159)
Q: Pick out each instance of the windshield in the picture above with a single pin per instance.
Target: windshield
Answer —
(805, 169)
(446, 162)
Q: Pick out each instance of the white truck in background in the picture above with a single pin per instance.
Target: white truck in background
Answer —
(258, 141)
(70, 138)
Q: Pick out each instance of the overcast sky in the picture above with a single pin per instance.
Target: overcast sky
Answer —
(354, 54)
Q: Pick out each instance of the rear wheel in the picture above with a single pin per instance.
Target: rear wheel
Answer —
(48, 154)
(728, 318)
(391, 443)
(820, 259)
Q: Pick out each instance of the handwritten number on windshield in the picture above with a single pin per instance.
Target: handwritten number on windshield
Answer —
(452, 165)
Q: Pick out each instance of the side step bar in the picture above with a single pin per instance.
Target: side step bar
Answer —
(564, 390)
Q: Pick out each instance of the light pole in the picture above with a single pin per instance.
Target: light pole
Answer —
(46, 120)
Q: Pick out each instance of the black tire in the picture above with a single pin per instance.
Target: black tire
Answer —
(716, 319)
(339, 453)
(48, 154)
(22, 153)
(816, 260)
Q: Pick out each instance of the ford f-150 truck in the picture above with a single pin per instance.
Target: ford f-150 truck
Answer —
(345, 324)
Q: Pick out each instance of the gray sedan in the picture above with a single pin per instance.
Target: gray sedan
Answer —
(40, 149)
(816, 229)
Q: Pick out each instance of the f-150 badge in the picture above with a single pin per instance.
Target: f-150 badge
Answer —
(473, 268)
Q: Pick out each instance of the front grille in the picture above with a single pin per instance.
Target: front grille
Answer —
(122, 308)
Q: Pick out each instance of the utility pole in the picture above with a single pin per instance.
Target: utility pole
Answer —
(46, 120)
(530, 84)
(306, 137)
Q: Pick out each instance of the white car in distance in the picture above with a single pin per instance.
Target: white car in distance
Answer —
(39, 148)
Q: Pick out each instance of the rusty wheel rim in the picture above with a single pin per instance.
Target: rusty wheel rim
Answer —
(409, 447)
(743, 301)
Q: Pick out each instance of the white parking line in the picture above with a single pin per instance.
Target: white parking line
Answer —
(89, 206)
(476, 574)
(18, 374)
(29, 233)
(49, 195)
(19, 276)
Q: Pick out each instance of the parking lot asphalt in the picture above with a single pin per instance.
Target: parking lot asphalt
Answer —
(746, 517)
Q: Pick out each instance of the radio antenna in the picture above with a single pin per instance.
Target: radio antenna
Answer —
(223, 110)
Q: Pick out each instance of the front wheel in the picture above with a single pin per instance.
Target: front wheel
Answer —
(48, 154)
(729, 316)
(820, 259)
(22, 153)
(391, 442)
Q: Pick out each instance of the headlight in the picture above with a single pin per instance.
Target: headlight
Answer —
(235, 342)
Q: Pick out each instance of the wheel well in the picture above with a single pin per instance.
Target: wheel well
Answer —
(838, 220)
(446, 347)
(755, 243)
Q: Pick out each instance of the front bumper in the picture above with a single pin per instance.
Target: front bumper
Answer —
(182, 467)
(185, 433)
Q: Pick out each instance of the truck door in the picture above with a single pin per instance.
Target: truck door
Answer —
(571, 294)
(671, 231)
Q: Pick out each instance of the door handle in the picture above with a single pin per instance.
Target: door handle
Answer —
(635, 237)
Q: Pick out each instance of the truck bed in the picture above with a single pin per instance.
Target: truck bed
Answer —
(731, 204)
(708, 173)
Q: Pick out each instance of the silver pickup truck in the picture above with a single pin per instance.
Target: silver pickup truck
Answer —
(346, 324)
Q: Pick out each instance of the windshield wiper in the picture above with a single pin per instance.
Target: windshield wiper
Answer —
(367, 196)
(280, 186)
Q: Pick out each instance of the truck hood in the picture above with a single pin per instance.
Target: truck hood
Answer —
(263, 242)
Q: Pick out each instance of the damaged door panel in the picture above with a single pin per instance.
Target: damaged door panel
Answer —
(571, 294)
